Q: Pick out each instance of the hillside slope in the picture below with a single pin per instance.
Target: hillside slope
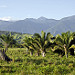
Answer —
(31, 26)
(65, 24)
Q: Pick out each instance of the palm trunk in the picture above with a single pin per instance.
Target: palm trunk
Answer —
(38, 53)
(31, 52)
(66, 52)
(3, 56)
(43, 53)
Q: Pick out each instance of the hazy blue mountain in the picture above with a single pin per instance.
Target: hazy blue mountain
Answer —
(65, 24)
(28, 25)
(4, 24)
(31, 25)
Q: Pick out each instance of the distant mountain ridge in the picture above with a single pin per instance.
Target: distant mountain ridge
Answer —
(31, 25)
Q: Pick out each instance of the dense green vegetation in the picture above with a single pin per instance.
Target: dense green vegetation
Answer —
(40, 54)
(24, 64)
(19, 37)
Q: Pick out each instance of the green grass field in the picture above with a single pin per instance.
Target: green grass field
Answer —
(23, 64)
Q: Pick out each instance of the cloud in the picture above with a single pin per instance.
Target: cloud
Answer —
(6, 18)
(3, 6)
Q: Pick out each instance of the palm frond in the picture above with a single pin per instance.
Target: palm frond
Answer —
(57, 47)
(72, 46)
(59, 40)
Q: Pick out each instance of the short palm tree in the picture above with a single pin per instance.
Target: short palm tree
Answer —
(29, 45)
(38, 43)
(43, 41)
(63, 42)
(7, 41)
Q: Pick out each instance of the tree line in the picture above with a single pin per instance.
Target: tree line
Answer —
(63, 44)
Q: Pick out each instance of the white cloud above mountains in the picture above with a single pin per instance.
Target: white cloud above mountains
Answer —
(6, 18)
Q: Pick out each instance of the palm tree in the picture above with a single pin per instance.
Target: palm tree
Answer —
(29, 45)
(43, 41)
(63, 42)
(38, 43)
(7, 41)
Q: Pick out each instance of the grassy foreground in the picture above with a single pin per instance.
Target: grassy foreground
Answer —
(23, 64)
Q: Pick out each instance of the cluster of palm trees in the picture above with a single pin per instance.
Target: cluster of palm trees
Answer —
(40, 43)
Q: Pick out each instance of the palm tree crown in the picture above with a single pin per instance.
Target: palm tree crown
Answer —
(7, 40)
(63, 42)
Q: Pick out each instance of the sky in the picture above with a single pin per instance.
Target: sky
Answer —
(21, 9)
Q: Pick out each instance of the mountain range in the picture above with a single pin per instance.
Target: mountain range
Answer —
(31, 25)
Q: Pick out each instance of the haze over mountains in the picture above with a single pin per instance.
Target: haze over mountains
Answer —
(31, 25)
